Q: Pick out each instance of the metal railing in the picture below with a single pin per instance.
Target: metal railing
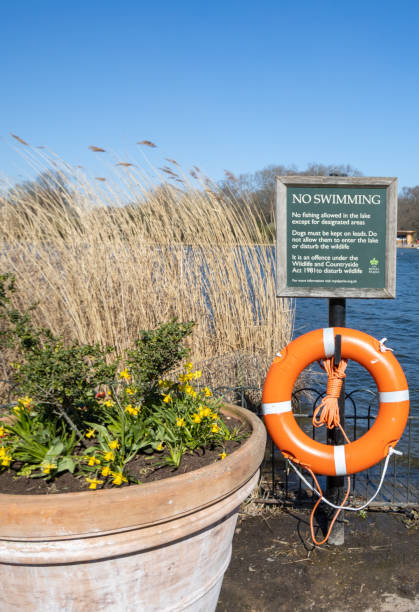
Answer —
(281, 484)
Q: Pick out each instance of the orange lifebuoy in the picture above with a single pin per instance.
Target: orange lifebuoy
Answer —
(370, 448)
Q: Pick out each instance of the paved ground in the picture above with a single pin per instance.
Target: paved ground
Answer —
(276, 568)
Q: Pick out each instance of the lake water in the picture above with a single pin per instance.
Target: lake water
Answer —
(395, 319)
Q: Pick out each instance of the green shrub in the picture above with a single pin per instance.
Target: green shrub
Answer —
(84, 409)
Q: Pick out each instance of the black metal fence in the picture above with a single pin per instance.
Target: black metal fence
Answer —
(281, 484)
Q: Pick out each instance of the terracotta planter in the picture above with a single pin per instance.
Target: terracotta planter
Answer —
(159, 546)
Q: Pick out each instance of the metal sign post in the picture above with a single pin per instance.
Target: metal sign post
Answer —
(335, 485)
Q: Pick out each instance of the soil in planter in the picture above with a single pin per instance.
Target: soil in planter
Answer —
(142, 468)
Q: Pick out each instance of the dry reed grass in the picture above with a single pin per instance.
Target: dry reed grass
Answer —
(105, 260)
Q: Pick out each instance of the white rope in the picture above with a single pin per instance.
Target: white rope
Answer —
(384, 348)
(391, 451)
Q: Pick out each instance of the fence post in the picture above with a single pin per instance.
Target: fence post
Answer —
(335, 485)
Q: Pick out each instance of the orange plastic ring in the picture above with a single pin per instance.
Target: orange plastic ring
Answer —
(370, 448)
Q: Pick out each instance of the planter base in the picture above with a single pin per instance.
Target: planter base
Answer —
(184, 575)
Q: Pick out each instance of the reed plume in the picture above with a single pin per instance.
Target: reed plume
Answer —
(147, 143)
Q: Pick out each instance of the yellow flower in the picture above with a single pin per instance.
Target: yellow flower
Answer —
(25, 401)
(91, 433)
(109, 456)
(197, 374)
(160, 446)
(131, 410)
(208, 392)
(215, 428)
(2, 431)
(204, 411)
(190, 390)
(114, 444)
(47, 467)
(130, 391)
(185, 377)
(106, 471)
(93, 461)
(180, 422)
(93, 482)
(6, 459)
(167, 398)
(125, 374)
(118, 478)
(188, 366)
(223, 455)
(196, 418)
(109, 403)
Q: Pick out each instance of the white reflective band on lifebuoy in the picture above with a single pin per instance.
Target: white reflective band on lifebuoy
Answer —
(386, 397)
(328, 341)
(276, 407)
(340, 462)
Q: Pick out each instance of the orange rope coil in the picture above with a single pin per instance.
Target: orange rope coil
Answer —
(329, 406)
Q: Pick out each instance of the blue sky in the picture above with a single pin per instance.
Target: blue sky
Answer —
(236, 85)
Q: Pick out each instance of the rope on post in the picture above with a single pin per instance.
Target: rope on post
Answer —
(329, 406)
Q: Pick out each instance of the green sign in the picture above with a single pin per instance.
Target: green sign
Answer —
(336, 237)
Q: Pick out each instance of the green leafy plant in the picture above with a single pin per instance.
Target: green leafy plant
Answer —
(44, 448)
(84, 409)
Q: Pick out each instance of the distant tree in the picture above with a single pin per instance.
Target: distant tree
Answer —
(259, 187)
(49, 194)
(48, 189)
(408, 210)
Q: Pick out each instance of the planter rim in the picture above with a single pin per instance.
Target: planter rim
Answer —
(90, 513)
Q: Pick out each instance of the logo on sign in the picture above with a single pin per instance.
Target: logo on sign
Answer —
(374, 267)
